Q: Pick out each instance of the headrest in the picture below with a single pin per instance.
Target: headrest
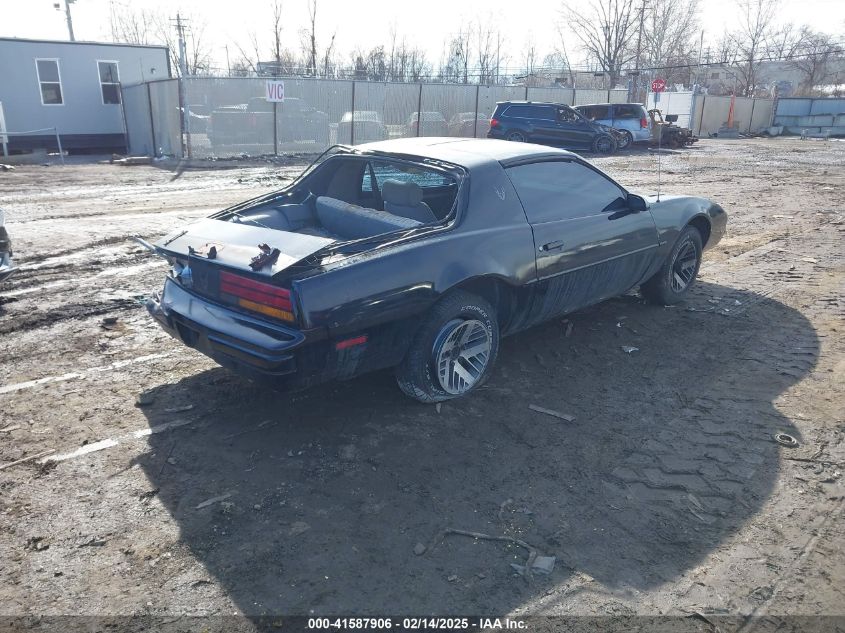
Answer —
(408, 194)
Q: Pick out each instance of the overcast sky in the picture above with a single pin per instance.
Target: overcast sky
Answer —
(365, 23)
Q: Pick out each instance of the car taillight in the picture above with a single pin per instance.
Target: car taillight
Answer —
(644, 123)
(494, 123)
(257, 296)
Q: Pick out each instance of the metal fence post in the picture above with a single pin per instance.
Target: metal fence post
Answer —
(701, 118)
(152, 120)
(275, 128)
(475, 122)
(352, 110)
(59, 143)
(526, 91)
(751, 117)
(123, 119)
(419, 110)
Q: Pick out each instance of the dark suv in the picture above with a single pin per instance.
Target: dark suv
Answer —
(551, 123)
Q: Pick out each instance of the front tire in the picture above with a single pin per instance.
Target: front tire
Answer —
(453, 351)
(677, 274)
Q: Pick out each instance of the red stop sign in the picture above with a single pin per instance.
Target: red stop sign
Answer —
(658, 85)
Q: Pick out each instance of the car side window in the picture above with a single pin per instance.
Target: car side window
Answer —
(562, 190)
(530, 112)
(567, 115)
(627, 111)
(598, 112)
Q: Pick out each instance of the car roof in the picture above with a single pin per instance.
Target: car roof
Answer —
(467, 152)
(539, 103)
(589, 105)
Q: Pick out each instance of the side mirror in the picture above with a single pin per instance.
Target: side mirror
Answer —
(636, 203)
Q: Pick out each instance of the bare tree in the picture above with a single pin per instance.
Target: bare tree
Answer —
(811, 57)
(668, 38)
(605, 29)
(485, 50)
(132, 26)
(309, 40)
(750, 40)
(559, 58)
(277, 36)
(455, 68)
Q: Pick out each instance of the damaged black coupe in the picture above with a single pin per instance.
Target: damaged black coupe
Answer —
(420, 254)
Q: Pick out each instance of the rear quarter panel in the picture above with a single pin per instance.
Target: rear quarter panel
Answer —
(673, 213)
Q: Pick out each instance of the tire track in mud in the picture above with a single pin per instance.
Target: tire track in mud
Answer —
(31, 320)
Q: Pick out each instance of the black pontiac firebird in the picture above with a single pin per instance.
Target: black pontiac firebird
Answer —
(420, 254)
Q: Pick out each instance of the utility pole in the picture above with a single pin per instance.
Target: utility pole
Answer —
(67, 17)
(639, 48)
(180, 29)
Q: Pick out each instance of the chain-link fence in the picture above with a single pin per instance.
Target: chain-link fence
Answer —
(224, 117)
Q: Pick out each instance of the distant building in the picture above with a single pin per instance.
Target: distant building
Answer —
(73, 87)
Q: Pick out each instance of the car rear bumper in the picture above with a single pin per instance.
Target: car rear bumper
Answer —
(236, 341)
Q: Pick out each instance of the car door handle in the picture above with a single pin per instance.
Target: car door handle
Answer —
(551, 246)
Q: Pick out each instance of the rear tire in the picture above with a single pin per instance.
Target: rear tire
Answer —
(678, 272)
(604, 144)
(516, 136)
(453, 351)
(627, 140)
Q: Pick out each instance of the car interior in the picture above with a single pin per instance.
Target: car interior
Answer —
(349, 198)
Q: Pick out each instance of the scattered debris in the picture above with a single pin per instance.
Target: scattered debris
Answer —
(93, 542)
(213, 500)
(437, 407)
(132, 160)
(555, 414)
(502, 507)
(107, 322)
(7, 167)
(784, 439)
(85, 449)
(569, 327)
(533, 553)
(36, 544)
(629, 349)
(149, 494)
(27, 459)
(452, 578)
(200, 582)
(8, 429)
(542, 564)
(419, 549)
(267, 257)
(187, 407)
(298, 527)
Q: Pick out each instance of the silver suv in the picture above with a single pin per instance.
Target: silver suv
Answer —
(630, 118)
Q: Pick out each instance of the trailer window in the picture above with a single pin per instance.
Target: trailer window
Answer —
(50, 81)
(109, 82)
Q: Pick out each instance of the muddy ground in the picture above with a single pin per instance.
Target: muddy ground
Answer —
(666, 495)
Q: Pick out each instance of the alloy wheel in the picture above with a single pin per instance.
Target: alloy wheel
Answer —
(461, 352)
(683, 268)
